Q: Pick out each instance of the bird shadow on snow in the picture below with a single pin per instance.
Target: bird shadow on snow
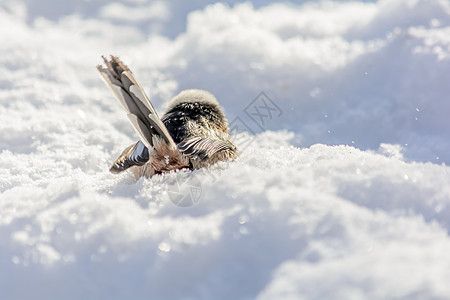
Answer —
(123, 186)
(147, 191)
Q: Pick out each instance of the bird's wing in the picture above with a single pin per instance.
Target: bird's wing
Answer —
(134, 101)
(204, 147)
(134, 155)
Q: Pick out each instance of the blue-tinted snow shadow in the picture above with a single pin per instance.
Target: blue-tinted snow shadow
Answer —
(406, 198)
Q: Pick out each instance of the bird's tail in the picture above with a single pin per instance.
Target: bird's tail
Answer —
(134, 101)
(152, 132)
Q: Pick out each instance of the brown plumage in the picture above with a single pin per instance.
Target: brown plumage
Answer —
(193, 132)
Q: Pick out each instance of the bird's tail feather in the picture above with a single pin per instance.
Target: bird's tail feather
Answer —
(134, 101)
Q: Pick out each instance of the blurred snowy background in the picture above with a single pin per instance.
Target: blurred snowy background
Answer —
(346, 195)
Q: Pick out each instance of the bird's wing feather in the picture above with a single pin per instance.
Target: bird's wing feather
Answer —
(134, 155)
(204, 147)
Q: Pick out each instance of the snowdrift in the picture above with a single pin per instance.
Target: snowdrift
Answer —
(341, 190)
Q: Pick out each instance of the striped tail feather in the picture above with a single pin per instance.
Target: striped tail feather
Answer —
(135, 102)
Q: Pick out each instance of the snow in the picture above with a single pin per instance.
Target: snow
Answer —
(341, 190)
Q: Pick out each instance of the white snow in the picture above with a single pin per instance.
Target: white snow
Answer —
(341, 192)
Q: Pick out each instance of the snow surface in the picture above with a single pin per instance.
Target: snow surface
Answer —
(341, 192)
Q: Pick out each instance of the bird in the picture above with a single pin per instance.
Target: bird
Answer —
(193, 133)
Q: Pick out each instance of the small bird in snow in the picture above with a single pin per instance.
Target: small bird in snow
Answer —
(193, 133)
